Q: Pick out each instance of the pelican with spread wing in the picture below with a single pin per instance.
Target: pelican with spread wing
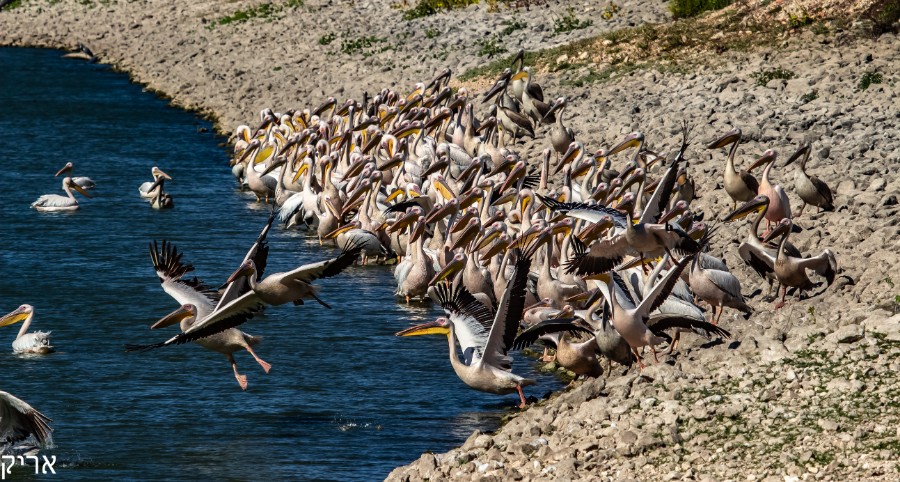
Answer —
(19, 421)
(485, 340)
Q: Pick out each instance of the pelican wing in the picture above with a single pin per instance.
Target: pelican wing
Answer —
(546, 327)
(290, 207)
(588, 212)
(19, 420)
(702, 328)
(663, 192)
(824, 264)
(171, 271)
(259, 253)
(661, 290)
(471, 320)
(231, 315)
(760, 260)
(603, 256)
(509, 312)
(54, 200)
(724, 281)
(329, 267)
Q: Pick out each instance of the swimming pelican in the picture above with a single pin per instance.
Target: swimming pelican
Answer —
(486, 365)
(37, 342)
(146, 190)
(55, 202)
(86, 183)
(18, 421)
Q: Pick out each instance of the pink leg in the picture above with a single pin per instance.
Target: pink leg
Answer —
(802, 207)
(265, 366)
(653, 348)
(241, 379)
(521, 396)
(674, 344)
(636, 355)
(781, 303)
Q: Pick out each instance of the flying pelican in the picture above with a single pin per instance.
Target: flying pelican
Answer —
(18, 421)
(55, 202)
(273, 290)
(811, 189)
(86, 183)
(146, 190)
(486, 365)
(37, 342)
(197, 301)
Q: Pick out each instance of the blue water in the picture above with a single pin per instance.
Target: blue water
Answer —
(345, 400)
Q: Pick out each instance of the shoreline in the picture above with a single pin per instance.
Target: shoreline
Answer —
(681, 420)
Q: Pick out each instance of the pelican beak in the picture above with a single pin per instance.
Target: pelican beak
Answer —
(502, 166)
(511, 196)
(443, 211)
(412, 129)
(303, 168)
(160, 173)
(603, 277)
(66, 168)
(394, 195)
(337, 232)
(442, 188)
(636, 261)
(517, 173)
(521, 75)
(767, 157)
(430, 328)
(463, 221)
(491, 235)
(457, 264)
(553, 108)
(755, 205)
(264, 153)
(496, 89)
(469, 235)
(404, 222)
(582, 168)
(669, 215)
(279, 161)
(80, 190)
(243, 270)
(174, 317)
(358, 193)
(631, 140)
(473, 196)
(803, 151)
(544, 303)
(16, 316)
(730, 137)
(781, 229)
(571, 154)
(417, 231)
(436, 167)
(496, 248)
(526, 237)
(562, 227)
(355, 168)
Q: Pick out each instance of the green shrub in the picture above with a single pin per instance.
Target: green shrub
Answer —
(692, 8)
(885, 15)
(327, 38)
(512, 26)
(868, 79)
(809, 97)
(765, 76)
(570, 22)
(490, 47)
(353, 46)
(425, 8)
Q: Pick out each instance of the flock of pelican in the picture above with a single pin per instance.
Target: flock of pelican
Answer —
(597, 256)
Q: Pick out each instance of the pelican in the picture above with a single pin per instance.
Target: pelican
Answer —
(741, 186)
(779, 204)
(146, 190)
(719, 288)
(811, 189)
(581, 358)
(86, 183)
(161, 199)
(791, 271)
(560, 135)
(18, 421)
(55, 202)
(197, 301)
(486, 365)
(37, 342)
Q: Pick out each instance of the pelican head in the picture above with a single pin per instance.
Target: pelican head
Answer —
(185, 311)
(248, 268)
(454, 266)
(755, 205)
(20, 314)
(66, 169)
(631, 140)
(440, 326)
(802, 152)
(767, 157)
(784, 226)
(157, 173)
(730, 137)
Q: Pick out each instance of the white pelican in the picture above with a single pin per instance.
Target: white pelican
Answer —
(485, 341)
(37, 342)
(146, 190)
(55, 202)
(197, 301)
(86, 183)
(18, 421)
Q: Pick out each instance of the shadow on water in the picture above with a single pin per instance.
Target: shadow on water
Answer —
(345, 400)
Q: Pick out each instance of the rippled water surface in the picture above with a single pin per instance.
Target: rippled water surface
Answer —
(345, 400)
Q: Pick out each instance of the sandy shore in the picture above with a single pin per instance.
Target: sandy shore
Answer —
(808, 391)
